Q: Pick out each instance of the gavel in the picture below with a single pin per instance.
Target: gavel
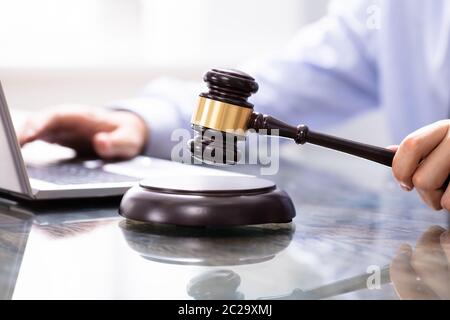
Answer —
(224, 115)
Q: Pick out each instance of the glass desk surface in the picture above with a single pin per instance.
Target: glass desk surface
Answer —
(343, 240)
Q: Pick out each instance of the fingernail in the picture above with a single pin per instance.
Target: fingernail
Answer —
(405, 187)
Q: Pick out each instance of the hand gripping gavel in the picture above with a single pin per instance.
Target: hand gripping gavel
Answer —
(224, 112)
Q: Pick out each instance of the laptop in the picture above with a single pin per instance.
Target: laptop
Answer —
(69, 179)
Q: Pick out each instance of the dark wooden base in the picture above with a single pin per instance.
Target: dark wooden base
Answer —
(208, 201)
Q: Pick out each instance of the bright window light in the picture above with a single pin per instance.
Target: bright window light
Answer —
(104, 33)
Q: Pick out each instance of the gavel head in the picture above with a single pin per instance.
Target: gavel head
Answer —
(222, 116)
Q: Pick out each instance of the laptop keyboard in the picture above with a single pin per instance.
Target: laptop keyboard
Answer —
(66, 174)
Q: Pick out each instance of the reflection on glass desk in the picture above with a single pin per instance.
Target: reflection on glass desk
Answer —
(342, 233)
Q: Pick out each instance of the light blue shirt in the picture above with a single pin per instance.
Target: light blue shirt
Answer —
(364, 55)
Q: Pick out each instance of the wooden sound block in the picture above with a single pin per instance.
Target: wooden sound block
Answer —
(207, 201)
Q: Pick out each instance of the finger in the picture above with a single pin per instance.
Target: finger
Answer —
(445, 201)
(415, 148)
(432, 173)
(430, 262)
(435, 168)
(33, 127)
(405, 278)
(24, 135)
(433, 199)
(60, 117)
(121, 143)
(46, 124)
(56, 125)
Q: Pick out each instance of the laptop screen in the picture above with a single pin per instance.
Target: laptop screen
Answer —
(13, 176)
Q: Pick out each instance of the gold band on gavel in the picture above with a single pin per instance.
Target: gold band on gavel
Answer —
(221, 116)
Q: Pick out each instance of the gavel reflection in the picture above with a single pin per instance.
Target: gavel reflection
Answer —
(224, 115)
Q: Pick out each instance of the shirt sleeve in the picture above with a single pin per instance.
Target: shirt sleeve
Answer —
(327, 74)
(324, 76)
(165, 105)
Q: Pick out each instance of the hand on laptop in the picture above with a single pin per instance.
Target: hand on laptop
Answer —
(110, 134)
(423, 162)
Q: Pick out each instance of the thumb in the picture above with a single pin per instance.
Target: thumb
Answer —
(119, 143)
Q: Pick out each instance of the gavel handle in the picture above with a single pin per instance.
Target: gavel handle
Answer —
(302, 135)
(373, 153)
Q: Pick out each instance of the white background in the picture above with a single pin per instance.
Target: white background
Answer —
(94, 51)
